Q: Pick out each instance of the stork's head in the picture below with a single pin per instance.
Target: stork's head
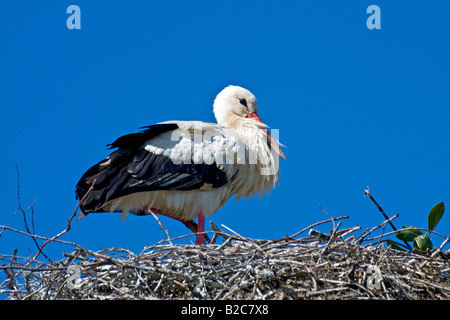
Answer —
(234, 105)
(234, 101)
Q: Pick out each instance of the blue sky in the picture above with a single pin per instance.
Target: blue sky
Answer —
(355, 107)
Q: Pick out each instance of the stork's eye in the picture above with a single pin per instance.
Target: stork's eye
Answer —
(243, 102)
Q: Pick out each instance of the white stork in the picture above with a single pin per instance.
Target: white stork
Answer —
(186, 169)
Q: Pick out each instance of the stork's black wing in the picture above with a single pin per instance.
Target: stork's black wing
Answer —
(132, 169)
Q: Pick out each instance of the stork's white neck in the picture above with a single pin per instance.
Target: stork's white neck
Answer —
(242, 126)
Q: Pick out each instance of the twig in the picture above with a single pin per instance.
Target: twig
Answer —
(329, 216)
(440, 248)
(327, 246)
(326, 291)
(36, 236)
(217, 232)
(303, 230)
(361, 237)
(245, 239)
(10, 273)
(25, 211)
(162, 227)
(68, 228)
(367, 193)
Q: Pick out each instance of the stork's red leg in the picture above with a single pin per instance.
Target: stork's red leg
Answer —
(190, 224)
(200, 228)
(194, 228)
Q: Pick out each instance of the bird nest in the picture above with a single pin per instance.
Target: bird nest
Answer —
(307, 265)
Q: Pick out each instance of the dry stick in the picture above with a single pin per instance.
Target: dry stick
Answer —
(162, 227)
(24, 212)
(361, 237)
(176, 238)
(36, 236)
(332, 219)
(68, 228)
(327, 246)
(440, 248)
(315, 236)
(215, 228)
(366, 192)
(244, 239)
(10, 274)
(347, 231)
(303, 230)
(312, 226)
(217, 232)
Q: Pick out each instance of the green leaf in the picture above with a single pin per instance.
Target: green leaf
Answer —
(435, 215)
(409, 234)
(391, 244)
(422, 243)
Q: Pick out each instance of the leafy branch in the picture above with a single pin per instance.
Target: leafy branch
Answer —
(420, 242)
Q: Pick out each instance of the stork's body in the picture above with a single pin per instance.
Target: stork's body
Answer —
(187, 169)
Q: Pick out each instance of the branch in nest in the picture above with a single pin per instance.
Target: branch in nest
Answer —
(367, 193)
(69, 226)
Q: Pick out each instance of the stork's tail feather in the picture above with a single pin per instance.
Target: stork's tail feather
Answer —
(98, 176)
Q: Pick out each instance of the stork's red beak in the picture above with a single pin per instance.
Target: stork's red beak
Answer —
(270, 140)
(255, 116)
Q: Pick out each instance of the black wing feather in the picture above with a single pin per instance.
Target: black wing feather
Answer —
(132, 169)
